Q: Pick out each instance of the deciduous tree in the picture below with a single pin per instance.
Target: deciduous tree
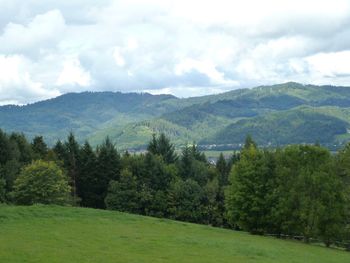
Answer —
(41, 182)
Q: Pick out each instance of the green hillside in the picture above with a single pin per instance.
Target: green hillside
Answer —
(64, 234)
(274, 115)
(278, 114)
(301, 125)
(82, 113)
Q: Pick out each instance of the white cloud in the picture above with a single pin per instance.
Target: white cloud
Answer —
(16, 83)
(73, 74)
(184, 47)
(205, 67)
(330, 64)
(41, 32)
(119, 60)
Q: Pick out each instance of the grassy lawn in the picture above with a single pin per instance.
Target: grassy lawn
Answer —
(64, 234)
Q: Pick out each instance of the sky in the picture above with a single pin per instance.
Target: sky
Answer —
(184, 47)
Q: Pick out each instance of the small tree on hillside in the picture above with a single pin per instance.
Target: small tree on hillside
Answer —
(41, 182)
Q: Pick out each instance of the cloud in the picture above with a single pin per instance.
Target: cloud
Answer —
(43, 31)
(330, 64)
(205, 67)
(73, 74)
(186, 48)
(14, 76)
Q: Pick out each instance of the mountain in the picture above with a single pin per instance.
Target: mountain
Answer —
(274, 115)
(301, 125)
(82, 113)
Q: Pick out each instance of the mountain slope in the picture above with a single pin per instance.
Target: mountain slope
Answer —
(302, 125)
(269, 113)
(274, 115)
(83, 113)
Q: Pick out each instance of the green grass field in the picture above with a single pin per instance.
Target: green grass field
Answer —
(64, 234)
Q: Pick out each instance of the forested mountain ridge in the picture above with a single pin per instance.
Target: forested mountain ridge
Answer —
(82, 113)
(274, 115)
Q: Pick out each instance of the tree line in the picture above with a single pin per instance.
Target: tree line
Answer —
(298, 190)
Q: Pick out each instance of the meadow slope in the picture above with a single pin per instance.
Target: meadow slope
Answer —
(64, 234)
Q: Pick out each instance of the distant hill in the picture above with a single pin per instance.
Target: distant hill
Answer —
(274, 115)
(301, 125)
(82, 113)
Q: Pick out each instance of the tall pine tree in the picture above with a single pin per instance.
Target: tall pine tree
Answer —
(163, 147)
(108, 168)
(87, 178)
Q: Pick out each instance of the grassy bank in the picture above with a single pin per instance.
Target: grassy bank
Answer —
(65, 234)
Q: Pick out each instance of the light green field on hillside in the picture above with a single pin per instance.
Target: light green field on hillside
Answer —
(64, 234)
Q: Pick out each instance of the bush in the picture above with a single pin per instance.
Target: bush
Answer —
(41, 182)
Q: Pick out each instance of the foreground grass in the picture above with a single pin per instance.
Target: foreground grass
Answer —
(63, 234)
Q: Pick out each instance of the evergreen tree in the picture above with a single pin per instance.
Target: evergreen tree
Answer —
(222, 169)
(186, 164)
(24, 148)
(153, 145)
(71, 163)
(5, 148)
(193, 165)
(87, 179)
(249, 142)
(9, 149)
(108, 168)
(60, 150)
(39, 147)
(162, 146)
(200, 172)
(234, 158)
(155, 175)
(2, 190)
(9, 160)
(153, 184)
(10, 171)
(196, 154)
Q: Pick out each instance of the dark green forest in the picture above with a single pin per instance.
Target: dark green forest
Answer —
(300, 191)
